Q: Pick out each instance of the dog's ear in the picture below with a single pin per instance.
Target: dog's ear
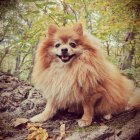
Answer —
(52, 29)
(78, 29)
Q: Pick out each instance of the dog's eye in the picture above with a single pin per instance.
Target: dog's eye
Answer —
(73, 45)
(57, 45)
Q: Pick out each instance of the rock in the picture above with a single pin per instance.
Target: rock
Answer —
(19, 121)
(100, 134)
(131, 129)
(27, 105)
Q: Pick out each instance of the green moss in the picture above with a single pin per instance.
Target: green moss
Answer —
(87, 129)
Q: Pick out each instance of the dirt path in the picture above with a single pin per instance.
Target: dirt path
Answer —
(19, 99)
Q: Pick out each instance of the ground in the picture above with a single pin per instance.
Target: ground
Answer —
(21, 100)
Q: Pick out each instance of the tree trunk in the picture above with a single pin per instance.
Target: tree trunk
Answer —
(32, 63)
(127, 62)
(17, 67)
(4, 55)
(128, 58)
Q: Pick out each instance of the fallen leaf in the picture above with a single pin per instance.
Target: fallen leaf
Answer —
(19, 121)
(32, 135)
(36, 132)
(62, 131)
(32, 128)
(34, 125)
(42, 136)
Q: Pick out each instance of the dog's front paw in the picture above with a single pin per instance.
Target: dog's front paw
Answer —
(39, 118)
(83, 123)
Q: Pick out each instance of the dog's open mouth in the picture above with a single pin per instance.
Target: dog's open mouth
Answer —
(66, 57)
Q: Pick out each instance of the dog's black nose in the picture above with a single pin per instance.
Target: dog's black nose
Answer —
(64, 50)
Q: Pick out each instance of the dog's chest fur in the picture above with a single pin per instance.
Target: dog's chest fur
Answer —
(65, 84)
(60, 85)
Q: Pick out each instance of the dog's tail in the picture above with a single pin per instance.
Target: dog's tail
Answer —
(134, 101)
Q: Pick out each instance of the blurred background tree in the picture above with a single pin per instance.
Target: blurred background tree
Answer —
(24, 22)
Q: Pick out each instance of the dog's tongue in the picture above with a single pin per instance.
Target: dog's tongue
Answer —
(65, 57)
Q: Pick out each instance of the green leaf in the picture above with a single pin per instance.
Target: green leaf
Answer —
(69, 17)
(51, 3)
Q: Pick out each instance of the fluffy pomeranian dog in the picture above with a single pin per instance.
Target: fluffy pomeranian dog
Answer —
(70, 69)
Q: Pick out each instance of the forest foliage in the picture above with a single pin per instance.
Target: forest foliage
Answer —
(23, 23)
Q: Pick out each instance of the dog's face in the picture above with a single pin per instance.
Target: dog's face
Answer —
(65, 51)
(66, 42)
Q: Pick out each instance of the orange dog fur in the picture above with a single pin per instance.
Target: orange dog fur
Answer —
(84, 76)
